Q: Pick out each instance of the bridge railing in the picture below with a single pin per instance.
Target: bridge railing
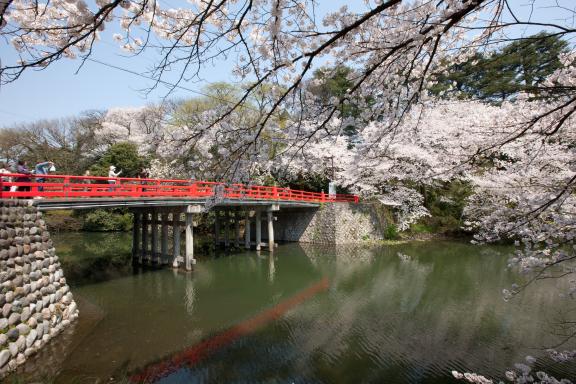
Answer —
(68, 186)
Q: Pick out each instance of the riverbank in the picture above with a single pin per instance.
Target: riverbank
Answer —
(97, 220)
(120, 221)
(63, 221)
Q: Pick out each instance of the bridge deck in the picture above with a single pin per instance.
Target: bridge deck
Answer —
(147, 202)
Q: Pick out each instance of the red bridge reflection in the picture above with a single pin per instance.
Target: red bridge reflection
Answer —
(194, 354)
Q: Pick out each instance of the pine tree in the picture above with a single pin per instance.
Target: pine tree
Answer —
(518, 67)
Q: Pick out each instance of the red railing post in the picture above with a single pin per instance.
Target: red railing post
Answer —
(322, 197)
(66, 186)
(275, 193)
(34, 190)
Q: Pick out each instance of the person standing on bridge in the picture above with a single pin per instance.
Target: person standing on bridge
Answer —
(112, 173)
(86, 179)
(22, 168)
(3, 171)
(43, 169)
(143, 174)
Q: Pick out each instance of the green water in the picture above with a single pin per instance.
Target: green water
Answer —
(409, 313)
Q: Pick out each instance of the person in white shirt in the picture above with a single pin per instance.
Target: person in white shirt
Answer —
(3, 171)
(112, 173)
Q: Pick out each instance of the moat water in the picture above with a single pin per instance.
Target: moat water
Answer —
(406, 313)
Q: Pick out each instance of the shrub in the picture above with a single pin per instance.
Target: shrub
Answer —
(122, 155)
(100, 220)
(421, 228)
(391, 232)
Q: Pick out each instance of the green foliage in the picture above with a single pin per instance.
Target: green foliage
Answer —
(335, 83)
(448, 199)
(313, 182)
(219, 97)
(391, 232)
(101, 220)
(421, 228)
(520, 66)
(309, 182)
(122, 155)
(219, 94)
(445, 203)
(443, 224)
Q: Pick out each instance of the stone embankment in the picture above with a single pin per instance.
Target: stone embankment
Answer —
(35, 302)
(331, 223)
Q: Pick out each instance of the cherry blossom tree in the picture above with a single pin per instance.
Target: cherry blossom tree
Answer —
(141, 125)
(519, 156)
(392, 45)
(175, 134)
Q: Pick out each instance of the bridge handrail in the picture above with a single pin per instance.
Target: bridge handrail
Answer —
(68, 186)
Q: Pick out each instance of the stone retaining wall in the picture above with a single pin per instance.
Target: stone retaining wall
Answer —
(35, 302)
(332, 223)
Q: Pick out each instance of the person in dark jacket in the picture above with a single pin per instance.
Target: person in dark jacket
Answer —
(22, 168)
(143, 174)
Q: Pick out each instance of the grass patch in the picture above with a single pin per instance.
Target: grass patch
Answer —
(421, 228)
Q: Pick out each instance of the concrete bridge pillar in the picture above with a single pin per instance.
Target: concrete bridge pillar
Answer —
(237, 229)
(152, 245)
(176, 238)
(189, 259)
(144, 250)
(154, 251)
(226, 229)
(258, 222)
(270, 213)
(216, 228)
(247, 239)
(189, 242)
(164, 242)
(136, 231)
(270, 231)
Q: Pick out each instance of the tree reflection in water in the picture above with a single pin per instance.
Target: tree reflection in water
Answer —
(394, 314)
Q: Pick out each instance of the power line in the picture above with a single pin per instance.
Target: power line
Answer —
(167, 83)
(11, 113)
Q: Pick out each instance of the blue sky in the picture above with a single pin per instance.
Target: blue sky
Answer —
(63, 89)
(58, 91)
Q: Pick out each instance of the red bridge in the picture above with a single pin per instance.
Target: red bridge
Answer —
(157, 204)
(67, 186)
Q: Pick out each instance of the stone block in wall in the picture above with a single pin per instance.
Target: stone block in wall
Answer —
(35, 302)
